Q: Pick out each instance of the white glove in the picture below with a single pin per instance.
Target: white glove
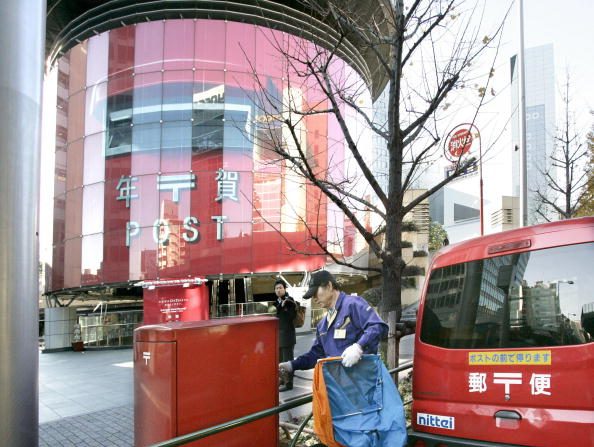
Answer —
(352, 355)
(285, 368)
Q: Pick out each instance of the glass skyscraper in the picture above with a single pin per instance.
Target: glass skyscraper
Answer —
(540, 123)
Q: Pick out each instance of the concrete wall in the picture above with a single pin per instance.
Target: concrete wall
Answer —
(59, 324)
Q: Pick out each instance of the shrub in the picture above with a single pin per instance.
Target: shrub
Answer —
(413, 270)
(409, 225)
(409, 282)
(373, 296)
(405, 388)
(420, 254)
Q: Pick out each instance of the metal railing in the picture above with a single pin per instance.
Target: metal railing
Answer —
(244, 309)
(200, 434)
(262, 308)
(112, 334)
(316, 316)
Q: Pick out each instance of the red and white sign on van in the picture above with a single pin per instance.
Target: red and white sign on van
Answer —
(458, 142)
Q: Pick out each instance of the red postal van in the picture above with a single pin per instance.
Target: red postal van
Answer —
(504, 347)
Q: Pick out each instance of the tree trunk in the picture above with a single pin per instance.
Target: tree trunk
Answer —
(393, 346)
(391, 304)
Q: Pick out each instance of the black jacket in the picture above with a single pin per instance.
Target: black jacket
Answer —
(286, 313)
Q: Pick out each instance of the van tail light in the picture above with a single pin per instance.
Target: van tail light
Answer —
(507, 246)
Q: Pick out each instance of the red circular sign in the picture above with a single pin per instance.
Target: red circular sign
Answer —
(460, 143)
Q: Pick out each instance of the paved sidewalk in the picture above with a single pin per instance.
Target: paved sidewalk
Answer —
(112, 427)
(86, 399)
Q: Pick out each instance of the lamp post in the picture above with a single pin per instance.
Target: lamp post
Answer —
(566, 281)
(558, 286)
(522, 109)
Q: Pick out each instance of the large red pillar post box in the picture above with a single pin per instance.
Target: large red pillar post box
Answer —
(194, 375)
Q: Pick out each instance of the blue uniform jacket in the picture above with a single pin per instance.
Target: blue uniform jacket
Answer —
(355, 322)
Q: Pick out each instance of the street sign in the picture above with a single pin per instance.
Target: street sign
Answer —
(459, 144)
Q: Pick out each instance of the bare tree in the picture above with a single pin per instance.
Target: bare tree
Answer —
(586, 202)
(563, 186)
(425, 52)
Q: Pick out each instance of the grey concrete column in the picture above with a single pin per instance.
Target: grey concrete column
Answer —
(22, 36)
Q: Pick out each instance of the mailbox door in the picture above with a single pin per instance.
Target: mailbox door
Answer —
(155, 395)
(226, 371)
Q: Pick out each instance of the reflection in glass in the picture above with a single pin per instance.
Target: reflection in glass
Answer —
(178, 44)
(76, 116)
(72, 262)
(73, 214)
(144, 209)
(181, 99)
(207, 119)
(74, 165)
(148, 47)
(148, 98)
(98, 49)
(177, 95)
(209, 48)
(119, 124)
(240, 45)
(143, 255)
(95, 110)
(146, 137)
(92, 208)
(94, 161)
(176, 146)
(92, 259)
(121, 51)
(176, 134)
(537, 298)
(78, 68)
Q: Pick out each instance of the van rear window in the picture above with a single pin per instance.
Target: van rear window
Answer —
(534, 298)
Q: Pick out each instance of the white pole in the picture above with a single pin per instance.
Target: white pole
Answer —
(22, 33)
(522, 112)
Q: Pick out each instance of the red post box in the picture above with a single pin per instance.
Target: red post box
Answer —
(194, 375)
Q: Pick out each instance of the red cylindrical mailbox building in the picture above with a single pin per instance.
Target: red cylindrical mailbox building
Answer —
(164, 168)
(194, 375)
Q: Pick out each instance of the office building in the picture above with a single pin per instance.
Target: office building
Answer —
(540, 123)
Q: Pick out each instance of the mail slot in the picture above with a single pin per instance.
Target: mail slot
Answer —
(190, 376)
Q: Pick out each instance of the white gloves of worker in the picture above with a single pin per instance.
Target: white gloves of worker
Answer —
(352, 355)
(285, 368)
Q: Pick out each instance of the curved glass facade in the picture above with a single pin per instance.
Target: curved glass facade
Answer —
(161, 172)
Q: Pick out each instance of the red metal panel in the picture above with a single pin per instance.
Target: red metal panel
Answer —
(200, 374)
(567, 410)
(121, 57)
(167, 304)
(155, 398)
(226, 371)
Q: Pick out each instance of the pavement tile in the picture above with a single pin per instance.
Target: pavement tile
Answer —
(92, 429)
